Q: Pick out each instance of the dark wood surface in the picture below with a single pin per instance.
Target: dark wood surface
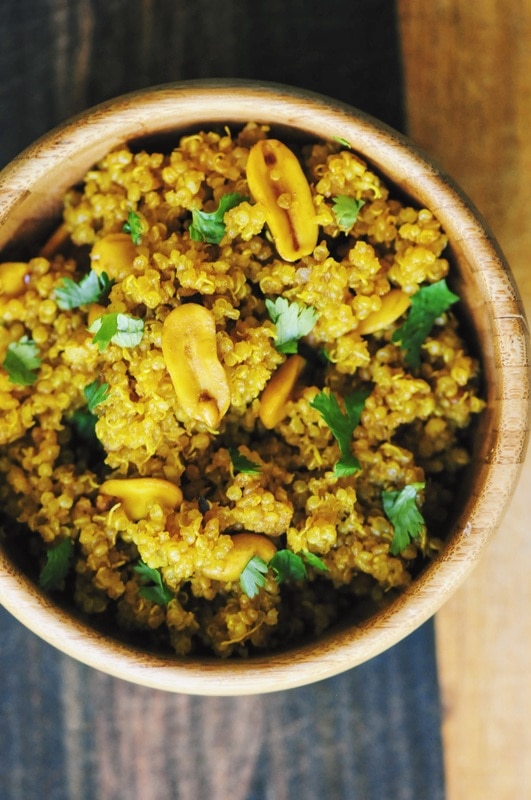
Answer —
(69, 732)
(58, 57)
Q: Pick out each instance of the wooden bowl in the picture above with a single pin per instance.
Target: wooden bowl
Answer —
(31, 190)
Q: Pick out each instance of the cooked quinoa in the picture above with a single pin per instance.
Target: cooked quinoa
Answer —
(67, 471)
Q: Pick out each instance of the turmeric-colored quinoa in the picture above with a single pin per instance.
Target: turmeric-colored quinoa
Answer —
(202, 398)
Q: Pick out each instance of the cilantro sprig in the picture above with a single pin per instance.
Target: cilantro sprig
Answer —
(426, 305)
(346, 210)
(342, 424)
(84, 424)
(292, 321)
(241, 463)
(402, 511)
(285, 564)
(155, 588)
(22, 361)
(84, 419)
(55, 569)
(121, 329)
(253, 575)
(92, 288)
(208, 226)
(95, 393)
(343, 142)
(133, 226)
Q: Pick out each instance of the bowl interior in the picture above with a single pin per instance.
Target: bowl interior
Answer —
(31, 191)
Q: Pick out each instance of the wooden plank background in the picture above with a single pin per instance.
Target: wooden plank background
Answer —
(468, 95)
(70, 732)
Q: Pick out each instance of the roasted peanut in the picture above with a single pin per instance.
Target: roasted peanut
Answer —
(137, 495)
(244, 547)
(13, 278)
(279, 390)
(113, 254)
(394, 303)
(276, 181)
(190, 352)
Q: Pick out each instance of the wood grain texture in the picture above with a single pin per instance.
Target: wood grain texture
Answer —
(98, 49)
(468, 90)
(71, 733)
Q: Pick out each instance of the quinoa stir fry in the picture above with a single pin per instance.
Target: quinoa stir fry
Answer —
(235, 399)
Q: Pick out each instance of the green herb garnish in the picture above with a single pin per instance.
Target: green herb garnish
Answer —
(292, 320)
(83, 420)
(95, 393)
(57, 565)
(402, 511)
(208, 226)
(84, 424)
(342, 424)
(342, 142)
(426, 305)
(21, 361)
(92, 288)
(243, 464)
(121, 329)
(252, 577)
(285, 565)
(346, 210)
(314, 561)
(133, 226)
(158, 592)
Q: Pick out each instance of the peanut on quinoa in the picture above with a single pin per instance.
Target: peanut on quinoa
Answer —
(209, 388)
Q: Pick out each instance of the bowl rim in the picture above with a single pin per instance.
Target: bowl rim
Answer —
(94, 132)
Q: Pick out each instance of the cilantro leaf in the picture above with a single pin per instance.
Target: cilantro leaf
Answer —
(314, 561)
(91, 289)
(426, 305)
(243, 464)
(158, 592)
(342, 424)
(95, 393)
(57, 565)
(293, 321)
(346, 210)
(84, 423)
(252, 577)
(122, 329)
(134, 227)
(83, 420)
(287, 565)
(347, 465)
(208, 226)
(342, 142)
(21, 361)
(401, 510)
